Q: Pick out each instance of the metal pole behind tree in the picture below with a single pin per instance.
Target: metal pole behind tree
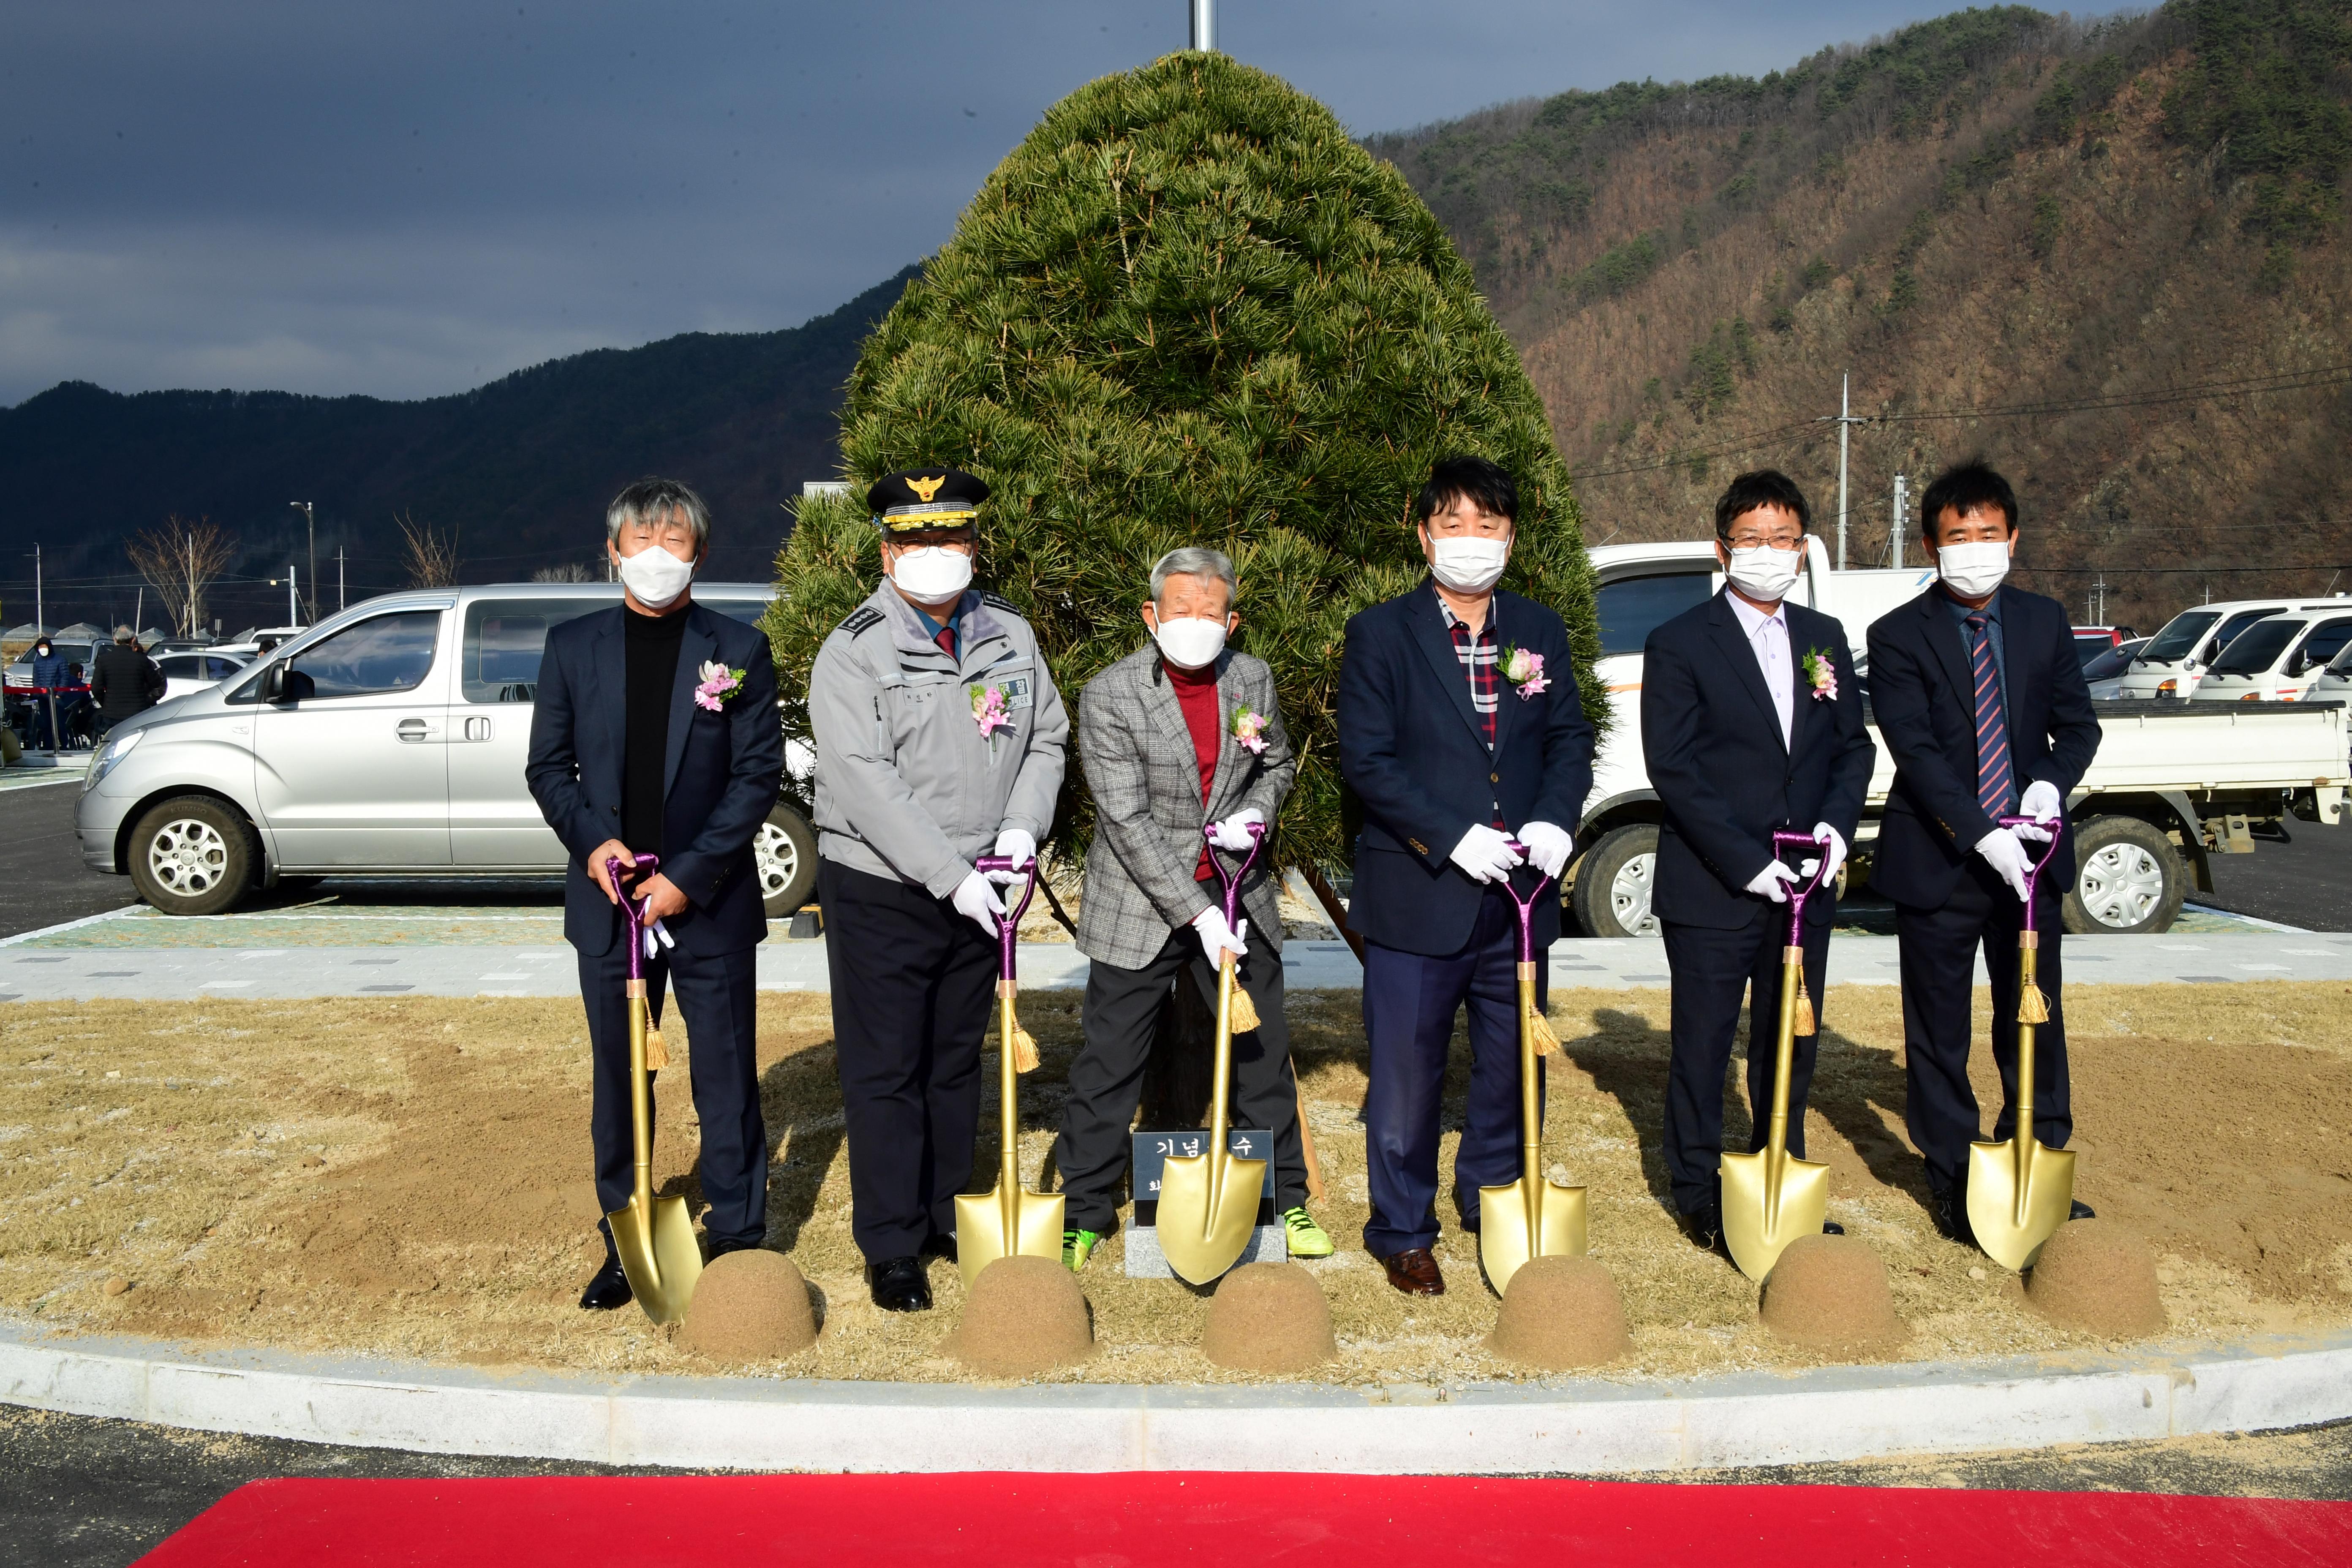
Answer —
(40, 603)
(1204, 24)
(340, 599)
(1845, 414)
(311, 524)
(1895, 530)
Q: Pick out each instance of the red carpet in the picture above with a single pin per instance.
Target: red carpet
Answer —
(1108, 1520)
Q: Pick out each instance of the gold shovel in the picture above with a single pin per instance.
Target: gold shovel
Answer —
(1533, 1217)
(1008, 1221)
(2021, 1192)
(1209, 1201)
(1771, 1198)
(655, 1236)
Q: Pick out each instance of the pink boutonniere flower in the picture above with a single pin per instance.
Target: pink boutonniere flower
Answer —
(1820, 672)
(717, 684)
(1249, 729)
(989, 710)
(1525, 671)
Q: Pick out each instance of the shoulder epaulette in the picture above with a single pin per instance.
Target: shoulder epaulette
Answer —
(863, 619)
(999, 602)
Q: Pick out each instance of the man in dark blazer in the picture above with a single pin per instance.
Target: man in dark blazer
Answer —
(1460, 730)
(1980, 698)
(655, 730)
(1751, 725)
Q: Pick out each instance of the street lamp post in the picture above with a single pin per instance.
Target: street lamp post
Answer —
(311, 524)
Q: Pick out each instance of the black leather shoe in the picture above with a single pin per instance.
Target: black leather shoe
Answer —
(1832, 1227)
(1704, 1226)
(2081, 1211)
(719, 1250)
(1950, 1212)
(610, 1288)
(898, 1285)
(939, 1246)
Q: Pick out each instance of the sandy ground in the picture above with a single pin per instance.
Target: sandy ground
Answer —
(409, 1177)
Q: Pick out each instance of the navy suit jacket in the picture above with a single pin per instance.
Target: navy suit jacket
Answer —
(1923, 694)
(1414, 749)
(1711, 739)
(720, 783)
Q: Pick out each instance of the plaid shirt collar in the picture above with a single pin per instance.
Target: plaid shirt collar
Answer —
(1481, 661)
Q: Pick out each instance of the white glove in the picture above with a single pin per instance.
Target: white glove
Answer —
(1234, 832)
(2041, 802)
(1486, 854)
(1019, 845)
(1833, 852)
(1548, 847)
(1218, 938)
(974, 898)
(2002, 849)
(1772, 882)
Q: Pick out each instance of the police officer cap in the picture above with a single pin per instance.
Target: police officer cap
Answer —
(925, 498)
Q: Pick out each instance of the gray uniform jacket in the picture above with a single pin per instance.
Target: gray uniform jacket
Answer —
(1146, 778)
(907, 786)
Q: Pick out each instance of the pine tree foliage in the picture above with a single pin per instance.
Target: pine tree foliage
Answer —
(1189, 309)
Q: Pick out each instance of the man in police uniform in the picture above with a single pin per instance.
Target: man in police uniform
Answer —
(939, 739)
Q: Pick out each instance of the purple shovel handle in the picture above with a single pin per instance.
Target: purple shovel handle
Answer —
(1798, 895)
(1527, 905)
(636, 911)
(1232, 884)
(2034, 872)
(1009, 927)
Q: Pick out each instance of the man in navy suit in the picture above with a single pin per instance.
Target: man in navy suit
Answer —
(1460, 730)
(1751, 725)
(1980, 696)
(656, 730)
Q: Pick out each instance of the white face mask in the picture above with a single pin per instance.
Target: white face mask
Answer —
(1763, 572)
(1973, 570)
(1188, 642)
(1468, 564)
(933, 573)
(656, 576)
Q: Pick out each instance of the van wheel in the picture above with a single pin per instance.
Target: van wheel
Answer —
(193, 856)
(1611, 895)
(2127, 878)
(784, 850)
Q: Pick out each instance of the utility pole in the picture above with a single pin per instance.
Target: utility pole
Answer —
(40, 603)
(1845, 420)
(339, 600)
(1895, 528)
(1204, 24)
(311, 524)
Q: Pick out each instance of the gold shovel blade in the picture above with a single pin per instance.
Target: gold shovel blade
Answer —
(1993, 1207)
(659, 1255)
(979, 1229)
(1756, 1228)
(1502, 1228)
(1201, 1244)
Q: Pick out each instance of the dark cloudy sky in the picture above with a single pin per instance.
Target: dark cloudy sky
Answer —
(412, 198)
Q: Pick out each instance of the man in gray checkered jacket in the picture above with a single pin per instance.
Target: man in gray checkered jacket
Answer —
(1180, 735)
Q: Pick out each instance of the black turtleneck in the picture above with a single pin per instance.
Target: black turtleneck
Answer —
(653, 643)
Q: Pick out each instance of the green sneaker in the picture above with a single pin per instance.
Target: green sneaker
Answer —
(1078, 1246)
(1306, 1237)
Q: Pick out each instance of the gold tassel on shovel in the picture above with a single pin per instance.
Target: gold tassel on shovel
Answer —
(1023, 1044)
(2033, 1007)
(1244, 1012)
(657, 1053)
(1539, 1029)
(1805, 1022)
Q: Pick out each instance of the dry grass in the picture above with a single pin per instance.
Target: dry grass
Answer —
(409, 1177)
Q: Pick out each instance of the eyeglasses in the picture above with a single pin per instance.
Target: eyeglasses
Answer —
(931, 538)
(1777, 541)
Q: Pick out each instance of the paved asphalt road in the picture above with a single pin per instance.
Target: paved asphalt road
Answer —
(87, 1493)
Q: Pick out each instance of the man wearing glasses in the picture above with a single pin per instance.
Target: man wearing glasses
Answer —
(1751, 724)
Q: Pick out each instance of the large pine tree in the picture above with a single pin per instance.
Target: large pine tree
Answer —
(1188, 309)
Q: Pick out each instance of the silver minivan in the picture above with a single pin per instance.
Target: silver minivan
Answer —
(387, 741)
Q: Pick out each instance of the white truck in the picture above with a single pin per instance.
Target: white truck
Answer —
(2174, 783)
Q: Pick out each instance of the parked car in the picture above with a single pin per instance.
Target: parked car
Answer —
(2277, 659)
(2090, 642)
(387, 741)
(2175, 658)
(2106, 673)
(186, 672)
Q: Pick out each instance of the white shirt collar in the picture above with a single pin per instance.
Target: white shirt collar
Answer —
(1753, 620)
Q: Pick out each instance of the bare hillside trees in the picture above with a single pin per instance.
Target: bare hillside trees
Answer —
(429, 557)
(179, 561)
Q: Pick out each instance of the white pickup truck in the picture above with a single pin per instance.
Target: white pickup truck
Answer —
(2174, 783)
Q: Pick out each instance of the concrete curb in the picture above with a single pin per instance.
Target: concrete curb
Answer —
(1582, 1426)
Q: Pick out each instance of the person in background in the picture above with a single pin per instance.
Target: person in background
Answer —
(52, 695)
(123, 680)
(1751, 725)
(1183, 734)
(1461, 731)
(1979, 696)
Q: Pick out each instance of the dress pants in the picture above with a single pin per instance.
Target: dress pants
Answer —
(1107, 1079)
(1937, 949)
(1409, 1003)
(913, 983)
(1713, 972)
(715, 994)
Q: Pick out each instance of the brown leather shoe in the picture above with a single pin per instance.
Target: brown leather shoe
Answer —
(1414, 1272)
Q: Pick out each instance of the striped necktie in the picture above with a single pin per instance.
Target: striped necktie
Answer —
(1994, 774)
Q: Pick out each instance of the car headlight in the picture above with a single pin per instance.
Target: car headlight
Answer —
(112, 753)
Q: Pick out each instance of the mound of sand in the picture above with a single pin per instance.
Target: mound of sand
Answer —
(1025, 1316)
(1559, 1313)
(1830, 1293)
(2097, 1274)
(1269, 1318)
(750, 1306)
